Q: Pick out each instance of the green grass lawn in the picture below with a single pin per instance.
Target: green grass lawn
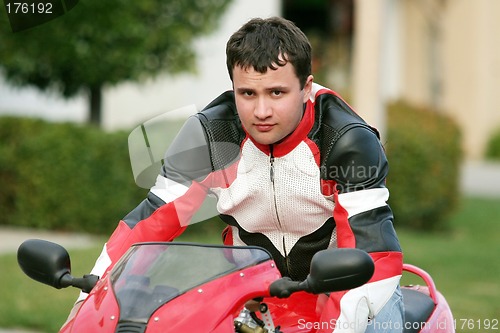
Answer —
(464, 262)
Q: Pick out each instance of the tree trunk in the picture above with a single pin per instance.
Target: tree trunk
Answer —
(95, 99)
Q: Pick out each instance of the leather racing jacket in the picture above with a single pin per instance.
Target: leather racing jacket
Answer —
(323, 186)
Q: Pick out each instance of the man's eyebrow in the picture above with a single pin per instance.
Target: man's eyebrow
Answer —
(278, 87)
(243, 90)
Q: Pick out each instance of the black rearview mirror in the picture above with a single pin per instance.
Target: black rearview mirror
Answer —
(331, 270)
(44, 261)
(338, 269)
(49, 263)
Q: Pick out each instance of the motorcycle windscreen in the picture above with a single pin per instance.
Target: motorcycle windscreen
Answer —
(151, 274)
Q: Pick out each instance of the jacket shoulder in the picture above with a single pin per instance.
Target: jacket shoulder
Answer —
(333, 111)
(223, 130)
(340, 133)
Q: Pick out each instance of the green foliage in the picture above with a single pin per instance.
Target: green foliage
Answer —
(493, 146)
(424, 155)
(64, 176)
(101, 43)
(105, 42)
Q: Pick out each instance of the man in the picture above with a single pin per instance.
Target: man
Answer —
(293, 168)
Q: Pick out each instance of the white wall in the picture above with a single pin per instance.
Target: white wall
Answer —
(129, 104)
(34, 103)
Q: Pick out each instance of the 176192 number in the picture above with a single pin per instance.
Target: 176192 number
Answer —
(476, 324)
(29, 8)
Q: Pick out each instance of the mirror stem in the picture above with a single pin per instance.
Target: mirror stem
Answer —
(284, 287)
(86, 283)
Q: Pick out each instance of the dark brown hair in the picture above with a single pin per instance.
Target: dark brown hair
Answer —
(267, 43)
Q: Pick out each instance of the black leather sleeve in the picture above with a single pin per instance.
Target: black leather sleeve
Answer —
(357, 161)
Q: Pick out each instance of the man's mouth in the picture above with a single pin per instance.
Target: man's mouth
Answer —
(264, 127)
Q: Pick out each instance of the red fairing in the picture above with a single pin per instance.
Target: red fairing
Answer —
(210, 308)
(99, 313)
(213, 306)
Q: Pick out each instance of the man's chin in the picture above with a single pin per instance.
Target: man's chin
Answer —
(264, 139)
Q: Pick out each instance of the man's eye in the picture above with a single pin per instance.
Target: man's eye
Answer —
(277, 92)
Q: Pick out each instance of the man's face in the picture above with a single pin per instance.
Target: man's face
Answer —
(270, 105)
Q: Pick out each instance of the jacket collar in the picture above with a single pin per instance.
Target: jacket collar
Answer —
(286, 145)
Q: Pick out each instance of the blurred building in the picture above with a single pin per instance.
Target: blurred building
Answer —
(442, 53)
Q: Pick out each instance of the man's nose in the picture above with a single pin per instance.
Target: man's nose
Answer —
(263, 109)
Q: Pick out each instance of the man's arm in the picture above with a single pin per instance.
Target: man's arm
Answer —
(362, 194)
(365, 221)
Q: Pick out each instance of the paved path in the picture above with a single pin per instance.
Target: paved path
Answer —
(481, 178)
(477, 178)
(11, 238)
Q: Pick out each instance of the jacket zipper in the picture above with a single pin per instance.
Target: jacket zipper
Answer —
(271, 175)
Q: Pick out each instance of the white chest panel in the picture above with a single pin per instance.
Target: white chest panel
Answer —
(284, 209)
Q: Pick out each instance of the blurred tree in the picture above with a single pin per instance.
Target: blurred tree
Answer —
(101, 43)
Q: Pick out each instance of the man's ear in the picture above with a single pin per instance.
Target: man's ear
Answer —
(308, 88)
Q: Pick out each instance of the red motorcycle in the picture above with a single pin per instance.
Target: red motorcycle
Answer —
(186, 287)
